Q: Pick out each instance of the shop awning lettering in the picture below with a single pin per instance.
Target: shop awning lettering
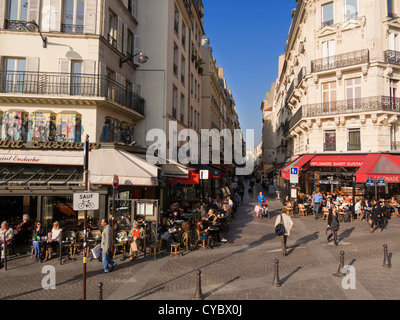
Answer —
(38, 143)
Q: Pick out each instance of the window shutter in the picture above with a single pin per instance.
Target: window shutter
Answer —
(33, 10)
(119, 34)
(32, 64)
(90, 16)
(135, 8)
(105, 20)
(136, 49)
(125, 39)
(32, 75)
(88, 79)
(55, 15)
(2, 13)
(65, 71)
(89, 67)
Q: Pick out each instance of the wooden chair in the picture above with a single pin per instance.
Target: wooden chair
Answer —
(342, 214)
(186, 241)
(289, 210)
(176, 249)
(118, 245)
(155, 245)
(67, 235)
(302, 210)
(199, 241)
(80, 237)
(325, 213)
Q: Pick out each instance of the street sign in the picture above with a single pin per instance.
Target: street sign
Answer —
(86, 201)
(381, 182)
(370, 182)
(204, 174)
(115, 181)
(293, 193)
(294, 175)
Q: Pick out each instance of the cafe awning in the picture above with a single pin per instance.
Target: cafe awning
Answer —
(377, 166)
(345, 160)
(130, 169)
(174, 170)
(300, 162)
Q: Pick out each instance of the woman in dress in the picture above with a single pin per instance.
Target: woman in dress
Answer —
(333, 224)
(54, 240)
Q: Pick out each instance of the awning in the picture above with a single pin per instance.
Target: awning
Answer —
(377, 166)
(193, 178)
(174, 171)
(345, 160)
(130, 169)
(213, 172)
(300, 162)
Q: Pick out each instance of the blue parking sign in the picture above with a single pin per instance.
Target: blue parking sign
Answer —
(294, 170)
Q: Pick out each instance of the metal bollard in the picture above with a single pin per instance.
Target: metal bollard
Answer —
(386, 261)
(100, 285)
(198, 294)
(277, 282)
(339, 272)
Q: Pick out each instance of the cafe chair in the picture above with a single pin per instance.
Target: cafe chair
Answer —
(155, 246)
(342, 214)
(186, 241)
(325, 213)
(176, 249)
(199, 241)
(120, 244)
(78, 245)
(302, 210)
(68, 235)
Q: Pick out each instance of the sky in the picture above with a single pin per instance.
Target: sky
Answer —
(247, 38)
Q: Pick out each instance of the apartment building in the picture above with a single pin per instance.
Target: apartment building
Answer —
(67, 71)
(337, 94)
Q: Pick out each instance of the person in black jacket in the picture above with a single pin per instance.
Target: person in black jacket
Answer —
(377, 217)
(333, 224)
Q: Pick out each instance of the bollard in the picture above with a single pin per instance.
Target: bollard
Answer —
(61, 247)
(339, 272)
(386, 262)
(100, 285)
(198, 294)
(277, 281)
(5, 253)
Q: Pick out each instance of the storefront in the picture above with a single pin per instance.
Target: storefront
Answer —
(40, 179)
(345, 174)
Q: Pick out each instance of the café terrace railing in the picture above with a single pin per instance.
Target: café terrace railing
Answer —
(340, 61)
(65, 84)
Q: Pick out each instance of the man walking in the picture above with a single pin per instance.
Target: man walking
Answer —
(316, 200)
(106, 245)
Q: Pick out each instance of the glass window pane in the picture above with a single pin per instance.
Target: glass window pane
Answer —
(80, 13)
(351, 7)
(24, 10)
(327, 12)
(68, 11)
(13, 10)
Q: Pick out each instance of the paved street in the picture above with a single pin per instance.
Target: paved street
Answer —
(241, 269)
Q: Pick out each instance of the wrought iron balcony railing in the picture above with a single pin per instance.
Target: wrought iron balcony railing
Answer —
(329, 146)
(112, 40)
(340, 61)
(392, 57)
(328, 23)
(65, 84)
(379, 103)
(354, 146)
(15, 25)
(72, 28)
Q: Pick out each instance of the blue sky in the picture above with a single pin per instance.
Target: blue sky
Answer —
(247, 38)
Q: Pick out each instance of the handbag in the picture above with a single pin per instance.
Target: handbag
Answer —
(280, 228)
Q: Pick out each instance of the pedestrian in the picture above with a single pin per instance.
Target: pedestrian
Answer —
(7, 234)
(260, 198)
(257, 209)
(106, 245)
(376, 217)
(287, 222)
(316, 202)
(333, 224)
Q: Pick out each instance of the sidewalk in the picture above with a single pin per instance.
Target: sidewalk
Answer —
(241, 269)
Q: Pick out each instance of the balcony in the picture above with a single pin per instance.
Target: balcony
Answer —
(329, 146)
(64, 84)
(72, 28)
(392, 57)
(340, 61)
(379, 103)
(15, 25)
(353, 146)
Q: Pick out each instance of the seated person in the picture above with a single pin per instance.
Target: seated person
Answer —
(211, 216)
(164, 234)
(7, 233)
(53, 242)
(21, 232)
(177, 236)
(358, 209)
(176, 216)
(395, 206)
(137, 234)
(38, 232)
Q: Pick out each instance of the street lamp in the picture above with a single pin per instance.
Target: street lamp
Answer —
(142, 58)
(32, 26)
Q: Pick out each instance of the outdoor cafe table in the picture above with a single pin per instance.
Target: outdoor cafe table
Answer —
(125, 240)
(214, 228)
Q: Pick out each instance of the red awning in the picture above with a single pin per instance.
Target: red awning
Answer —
(300, 162)
(345, 160)
(193, 178)
(377, 166)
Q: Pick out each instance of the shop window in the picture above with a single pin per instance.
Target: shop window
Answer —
(117, 131)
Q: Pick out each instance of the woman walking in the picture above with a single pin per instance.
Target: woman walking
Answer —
(287, 224)
(333, 224)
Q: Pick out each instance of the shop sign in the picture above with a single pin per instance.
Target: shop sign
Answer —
(370, 182)
(294, 175)
(38, 143)
(86, 201)
(329, 182)
(381, 182)
(204, 174)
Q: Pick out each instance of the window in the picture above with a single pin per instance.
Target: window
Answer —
(129, 45)
(353, 93)
(183, 62)
(354, 140)
(184, 36)
(176, 22)
(17, 14)
(76, 77)
(328, 53)
(174, 102)
(394, 42)
(182, 117)
(392, 8)
(176, 60)
(15, 74)
(191, 117)
(394, 102)
(351, 10)
(113, 29)
(330, 140)
(327, 14)
(73, 16)
(329, 97)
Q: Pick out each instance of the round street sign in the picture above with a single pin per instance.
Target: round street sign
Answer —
(115, 181)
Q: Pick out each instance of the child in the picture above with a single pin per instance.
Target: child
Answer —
(257, 210)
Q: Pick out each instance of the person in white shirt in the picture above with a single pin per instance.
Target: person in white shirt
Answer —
(54, 240)
(358, 209)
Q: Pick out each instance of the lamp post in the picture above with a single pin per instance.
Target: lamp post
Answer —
(142, 58)
(32, 26)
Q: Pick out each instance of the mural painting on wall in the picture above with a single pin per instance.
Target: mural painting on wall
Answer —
(40, 125)
(116, 131)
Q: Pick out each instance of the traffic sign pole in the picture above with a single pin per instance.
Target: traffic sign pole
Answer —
(115, 186)
(86, 172)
